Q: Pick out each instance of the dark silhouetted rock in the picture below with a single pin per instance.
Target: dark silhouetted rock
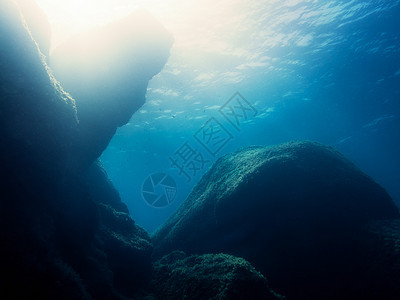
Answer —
(208, 276)
(296, 211)
(107, 71)
(63, 233)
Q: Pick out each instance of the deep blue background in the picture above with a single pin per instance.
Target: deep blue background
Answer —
(342, 88)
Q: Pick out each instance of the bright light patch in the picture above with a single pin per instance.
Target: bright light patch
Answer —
(69, 17)
(193, 23)
(217, 42)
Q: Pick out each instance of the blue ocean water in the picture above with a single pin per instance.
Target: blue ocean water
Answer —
(270, 72)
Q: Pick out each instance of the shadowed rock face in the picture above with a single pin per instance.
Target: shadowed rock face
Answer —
(107, 71)
(296, 211)
(64, 234)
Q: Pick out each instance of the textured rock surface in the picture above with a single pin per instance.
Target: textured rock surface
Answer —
(296, 211)
(208, 276)
(107, 70)
(61, 237)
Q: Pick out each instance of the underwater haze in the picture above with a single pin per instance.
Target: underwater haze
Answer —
(200, 149)
(327, 71)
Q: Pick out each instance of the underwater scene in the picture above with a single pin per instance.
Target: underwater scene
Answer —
(200, 149)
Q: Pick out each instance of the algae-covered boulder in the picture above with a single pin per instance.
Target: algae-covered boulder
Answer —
(107, 71)
(296, 211)
(208, 276)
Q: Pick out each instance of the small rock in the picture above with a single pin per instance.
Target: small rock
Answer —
(208, 276)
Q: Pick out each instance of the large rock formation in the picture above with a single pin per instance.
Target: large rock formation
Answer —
(64, 233)
(298, 212)
(107, 71)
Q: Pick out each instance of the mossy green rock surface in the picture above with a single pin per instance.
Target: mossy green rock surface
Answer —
(296, 211)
